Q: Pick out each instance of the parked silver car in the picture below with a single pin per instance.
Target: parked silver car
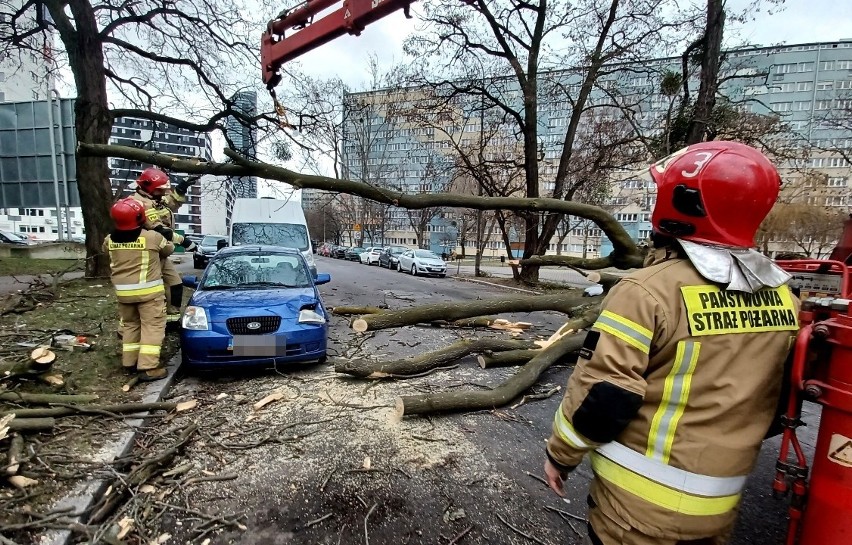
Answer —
(422, 262)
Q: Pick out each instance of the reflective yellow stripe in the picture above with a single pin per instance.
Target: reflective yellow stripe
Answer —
(149, 349)
(141, 291)
(625, 329)
(658, 494)
(567, 433)
(143, 268)
(130, 347)
(673, 402)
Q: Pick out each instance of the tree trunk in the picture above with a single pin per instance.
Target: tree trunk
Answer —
(567, 302)
(92, 122)
(45, 399)
(710, 61)
(508, 358)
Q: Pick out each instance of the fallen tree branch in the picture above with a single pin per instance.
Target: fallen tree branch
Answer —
(351, 311)
(631, 260)
(499, 396)
(32, 424)
(45, 399)
(567, 301)
(508, 358)
(59, 410)
(424, 362)
(625, 249)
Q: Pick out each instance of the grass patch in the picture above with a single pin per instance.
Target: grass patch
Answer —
(84, 307)
(14, 266)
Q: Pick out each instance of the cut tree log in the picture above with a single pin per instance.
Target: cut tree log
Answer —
(16, 450)
(42, 358)
(32, 424)
(567, 302)
(430, 360)
(23, 368)
(45, 399)
(491, 399)
(354, 311)
(69, 410)
(508, 358)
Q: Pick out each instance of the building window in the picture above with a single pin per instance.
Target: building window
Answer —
(837, 181)
(823, 104)
(825, 85)
(803, 106)
(844, 65)
(805, 86)
(644, 234)
(827, 65)
(782, 106)
(783, 88)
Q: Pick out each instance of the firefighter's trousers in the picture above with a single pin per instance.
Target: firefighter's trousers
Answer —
(143, 328)
(170, 278)
(605, 531)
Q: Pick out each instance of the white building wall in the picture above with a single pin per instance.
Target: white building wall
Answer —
(213, 205)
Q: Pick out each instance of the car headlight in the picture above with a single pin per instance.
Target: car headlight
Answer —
(195, 318)
(308, 316)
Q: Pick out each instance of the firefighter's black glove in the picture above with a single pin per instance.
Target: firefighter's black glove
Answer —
(165, 231)
(189, 245)
(182, 185)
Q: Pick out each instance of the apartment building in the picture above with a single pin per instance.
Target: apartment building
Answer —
(804, 88)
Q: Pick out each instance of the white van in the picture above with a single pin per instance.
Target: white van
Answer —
(272, 222)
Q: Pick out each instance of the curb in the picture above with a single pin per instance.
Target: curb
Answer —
(82, 497)
(463, 279)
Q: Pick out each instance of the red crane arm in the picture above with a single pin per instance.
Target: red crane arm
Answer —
(351, 18)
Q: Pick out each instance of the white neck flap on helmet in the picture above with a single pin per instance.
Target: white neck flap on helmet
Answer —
(740, 269)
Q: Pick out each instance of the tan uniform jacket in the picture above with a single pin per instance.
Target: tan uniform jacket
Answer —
(673, 393)
(161, 213)
(136, 270)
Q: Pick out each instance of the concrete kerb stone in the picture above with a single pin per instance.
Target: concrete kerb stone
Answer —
(83, 496)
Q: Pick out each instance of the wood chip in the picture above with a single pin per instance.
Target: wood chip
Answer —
(160, 540)
(223, 395)
(126, 524)
(54, 380)
(147, 489)
(367, 463)
(19, 481)
(4, 425)
(186, 405)
(276, 396)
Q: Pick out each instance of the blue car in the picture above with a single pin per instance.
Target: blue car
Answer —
(254, 306)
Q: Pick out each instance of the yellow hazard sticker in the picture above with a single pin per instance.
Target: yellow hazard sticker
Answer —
(712, 311)
(840, 450)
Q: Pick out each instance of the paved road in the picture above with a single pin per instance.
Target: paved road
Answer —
(434, 477)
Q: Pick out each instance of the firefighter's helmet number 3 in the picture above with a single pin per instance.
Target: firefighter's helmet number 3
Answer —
(704, 157)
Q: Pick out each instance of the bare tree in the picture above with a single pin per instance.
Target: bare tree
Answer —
(137, 59)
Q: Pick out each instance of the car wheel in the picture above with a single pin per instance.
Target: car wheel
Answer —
(413, 270)
(399, 267)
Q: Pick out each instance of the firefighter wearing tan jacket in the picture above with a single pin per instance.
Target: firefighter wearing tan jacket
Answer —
(154, 192)
(135, 255)
(679, 379)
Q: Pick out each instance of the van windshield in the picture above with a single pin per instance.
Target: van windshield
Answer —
(288, 235)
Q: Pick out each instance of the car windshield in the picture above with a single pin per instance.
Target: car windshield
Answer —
(425, 253)
(356, 249)
(256, 270)
(396, 250)
(288, 235)
(211, 241)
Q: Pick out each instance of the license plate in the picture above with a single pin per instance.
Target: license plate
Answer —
(258, 345)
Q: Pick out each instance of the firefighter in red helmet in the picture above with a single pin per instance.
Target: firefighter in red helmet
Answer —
(135, 255)
(154, 191)
(679, 379)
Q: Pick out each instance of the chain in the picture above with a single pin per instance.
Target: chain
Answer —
(280, 111)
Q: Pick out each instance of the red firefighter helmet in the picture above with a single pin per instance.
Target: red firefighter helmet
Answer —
(128, 214)
(716, 192)
(152, 178)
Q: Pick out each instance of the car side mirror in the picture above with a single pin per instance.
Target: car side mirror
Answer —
(322, 278)
(190, 281)
(221, 244)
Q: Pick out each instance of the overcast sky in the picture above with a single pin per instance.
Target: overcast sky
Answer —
(799, 21)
